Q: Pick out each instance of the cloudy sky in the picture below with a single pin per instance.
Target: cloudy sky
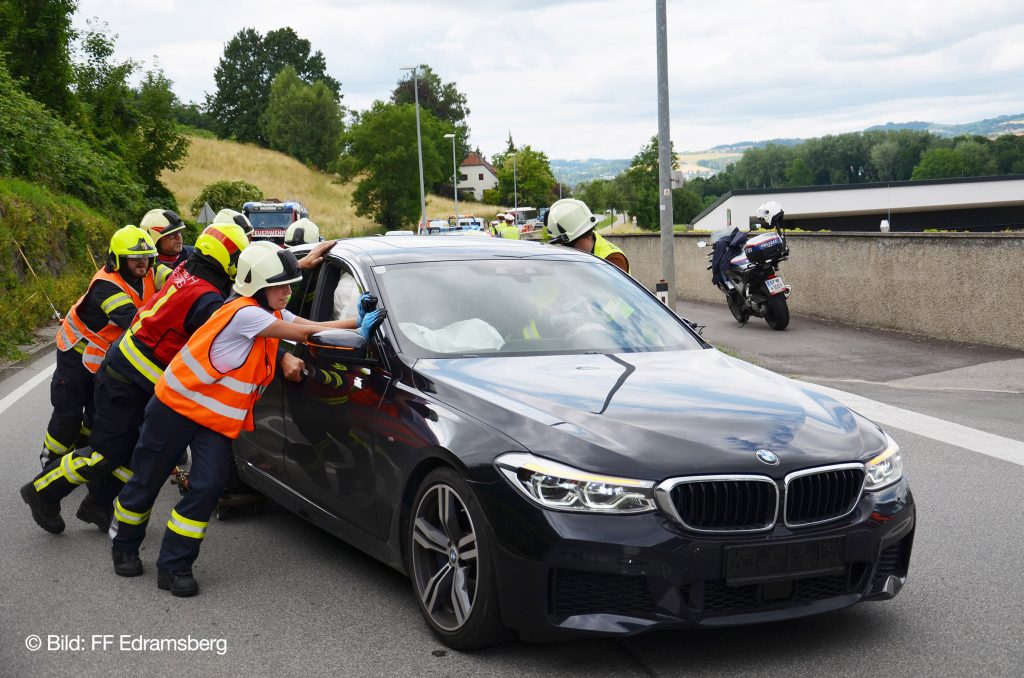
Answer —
(578, 79)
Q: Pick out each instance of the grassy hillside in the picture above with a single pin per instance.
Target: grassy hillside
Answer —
(279, 176)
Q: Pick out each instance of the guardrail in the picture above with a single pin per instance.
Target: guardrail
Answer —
(952, 286)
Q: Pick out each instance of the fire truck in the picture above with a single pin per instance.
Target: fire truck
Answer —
(271, 218)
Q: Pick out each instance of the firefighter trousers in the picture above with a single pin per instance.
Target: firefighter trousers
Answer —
(120, 406)
(165, 434)
(71, 397)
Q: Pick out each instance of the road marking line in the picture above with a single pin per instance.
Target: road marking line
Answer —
(918, 387)
(15, 395)
(968, 438)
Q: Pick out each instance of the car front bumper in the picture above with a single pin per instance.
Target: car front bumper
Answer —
(563, 574)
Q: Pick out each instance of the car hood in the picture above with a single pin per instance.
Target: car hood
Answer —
(652, 415)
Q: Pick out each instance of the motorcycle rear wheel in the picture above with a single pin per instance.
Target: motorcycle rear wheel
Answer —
(741, 314)
(776, 312)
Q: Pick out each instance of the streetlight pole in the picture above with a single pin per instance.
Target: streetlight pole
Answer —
(455, 180)
(419, 143)
(515, 188)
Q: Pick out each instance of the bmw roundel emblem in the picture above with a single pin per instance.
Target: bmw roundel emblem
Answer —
(767, 457)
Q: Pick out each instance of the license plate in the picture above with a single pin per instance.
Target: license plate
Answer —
(775, 285)
(775, 561)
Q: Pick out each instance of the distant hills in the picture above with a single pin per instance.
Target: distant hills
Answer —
(573, 172)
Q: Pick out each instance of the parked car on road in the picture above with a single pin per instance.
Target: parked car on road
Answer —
(544, 448)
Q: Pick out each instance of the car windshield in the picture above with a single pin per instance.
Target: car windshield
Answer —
(270, 219)
(524, 307)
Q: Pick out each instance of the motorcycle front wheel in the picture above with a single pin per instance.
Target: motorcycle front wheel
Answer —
(776, 312)
(741, 314)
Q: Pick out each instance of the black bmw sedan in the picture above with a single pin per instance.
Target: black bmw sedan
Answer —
(546, 449)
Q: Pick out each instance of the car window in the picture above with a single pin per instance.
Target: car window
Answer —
(346, 296)
(535, 306)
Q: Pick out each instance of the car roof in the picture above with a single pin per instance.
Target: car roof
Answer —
(383, 251)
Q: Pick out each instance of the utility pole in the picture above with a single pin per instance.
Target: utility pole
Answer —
(668, 261)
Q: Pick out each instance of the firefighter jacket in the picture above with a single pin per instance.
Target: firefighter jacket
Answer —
(161, 327)
(74, 329)
(222, 402)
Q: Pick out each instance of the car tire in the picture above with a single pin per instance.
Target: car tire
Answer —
(451, 563)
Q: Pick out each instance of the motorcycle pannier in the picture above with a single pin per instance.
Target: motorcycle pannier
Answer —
(763, 247)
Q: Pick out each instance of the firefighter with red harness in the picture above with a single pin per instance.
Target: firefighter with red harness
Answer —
(126, 379)
(95, 321)
(204, 400)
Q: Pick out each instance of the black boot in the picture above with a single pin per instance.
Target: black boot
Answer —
(181, 584)
(126, 563)
(91, 512)
(45, 513)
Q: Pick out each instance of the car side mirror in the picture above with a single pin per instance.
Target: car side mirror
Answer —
(331, 346)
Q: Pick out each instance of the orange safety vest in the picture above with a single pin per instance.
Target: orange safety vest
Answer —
(222, 402)
(73, 330)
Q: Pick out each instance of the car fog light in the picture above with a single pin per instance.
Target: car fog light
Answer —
(557, 486)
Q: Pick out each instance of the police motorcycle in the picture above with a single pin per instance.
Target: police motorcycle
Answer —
(746, 269)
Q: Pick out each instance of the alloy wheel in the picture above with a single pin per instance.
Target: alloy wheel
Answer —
(444, 557)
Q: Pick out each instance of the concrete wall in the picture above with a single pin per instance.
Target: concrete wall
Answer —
(953, 286)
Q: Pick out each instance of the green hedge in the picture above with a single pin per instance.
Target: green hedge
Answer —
(37, 146)
(61, 238)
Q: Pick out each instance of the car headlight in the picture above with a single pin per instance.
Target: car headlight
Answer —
(886, 468)
(556, 486)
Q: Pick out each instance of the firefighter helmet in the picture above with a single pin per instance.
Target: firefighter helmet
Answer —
(226, 216)
(130, 241)
(223, 243)
(264, 264)
(568, 220)
(301, 232)
(159, 223)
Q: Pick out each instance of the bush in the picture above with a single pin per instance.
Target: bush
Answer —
(37, 146)
(226, 195)
(63, 240)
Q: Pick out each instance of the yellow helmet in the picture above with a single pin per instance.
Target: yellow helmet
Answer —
(159, 223)
(130, 241)
(223, 243)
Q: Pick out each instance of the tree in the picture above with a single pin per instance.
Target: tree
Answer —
(380, 149)
(1009, 153)
(967, 158)
(640, 185)
(108, 101)
(35, 39)
(526, 180)
(226, 195)
(158, 143)
(442, 99)
(303, 120)
(245, 72)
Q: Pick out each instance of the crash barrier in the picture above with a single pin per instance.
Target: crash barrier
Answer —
(951, 286)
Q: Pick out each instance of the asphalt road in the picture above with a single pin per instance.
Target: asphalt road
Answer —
(288, 600)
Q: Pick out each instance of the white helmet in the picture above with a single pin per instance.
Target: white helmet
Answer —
(264, 264)
(301, 232)
(159, 223)
(771, 214)
(568, 220)
(226, 216)
(509, 216)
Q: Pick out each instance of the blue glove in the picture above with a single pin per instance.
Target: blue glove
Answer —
(367, 302)
(372, 321)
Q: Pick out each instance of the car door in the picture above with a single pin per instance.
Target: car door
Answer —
(329, 416)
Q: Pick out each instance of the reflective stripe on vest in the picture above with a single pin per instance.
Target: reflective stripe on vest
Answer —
(186, 527)
(73, 329)
(222, 402)
(133, 355)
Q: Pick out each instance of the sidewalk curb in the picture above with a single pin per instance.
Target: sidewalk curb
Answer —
(34, 354)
